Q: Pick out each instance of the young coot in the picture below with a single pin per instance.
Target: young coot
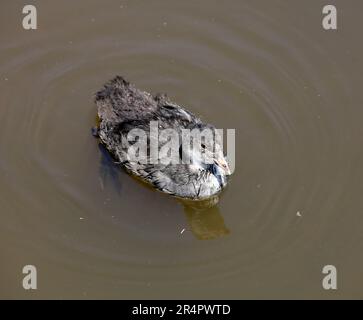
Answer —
(123, 108)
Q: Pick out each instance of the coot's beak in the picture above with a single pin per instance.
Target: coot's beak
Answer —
(222, 163)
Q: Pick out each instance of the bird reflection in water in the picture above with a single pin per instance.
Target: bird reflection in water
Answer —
(204, 218)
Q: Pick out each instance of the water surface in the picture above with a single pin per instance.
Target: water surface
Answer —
(267, 68)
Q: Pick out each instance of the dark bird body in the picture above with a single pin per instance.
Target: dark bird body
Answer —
(122, 107)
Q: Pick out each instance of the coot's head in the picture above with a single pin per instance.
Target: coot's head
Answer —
(205, 155)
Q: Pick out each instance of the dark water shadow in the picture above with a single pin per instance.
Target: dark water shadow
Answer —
(109, 171)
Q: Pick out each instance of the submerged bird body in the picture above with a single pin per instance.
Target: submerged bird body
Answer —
(122, 108)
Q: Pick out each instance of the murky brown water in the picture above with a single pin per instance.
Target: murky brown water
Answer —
(292, 91)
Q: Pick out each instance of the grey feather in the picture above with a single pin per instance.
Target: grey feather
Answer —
(122, 107)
